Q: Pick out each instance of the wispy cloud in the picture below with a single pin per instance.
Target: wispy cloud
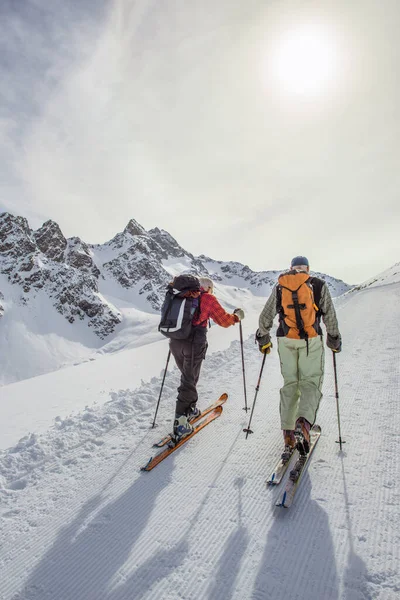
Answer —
(161, 112)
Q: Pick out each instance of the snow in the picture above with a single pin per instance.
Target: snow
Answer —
(80, 521)
(391, 275)
(176, 266)
(36, 339)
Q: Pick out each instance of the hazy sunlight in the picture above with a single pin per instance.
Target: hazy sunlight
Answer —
(305, 61)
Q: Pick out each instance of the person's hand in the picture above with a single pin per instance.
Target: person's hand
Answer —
(264, 342)
(266, 349)
(239, 312)
(334, 342)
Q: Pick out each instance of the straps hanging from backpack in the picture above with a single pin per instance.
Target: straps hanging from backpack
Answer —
(297, 307)
(297, 311)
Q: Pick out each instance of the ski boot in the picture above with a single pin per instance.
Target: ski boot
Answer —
(193, 413)
(290, 445)
(295, 472)
(182, 428)
(302, 435)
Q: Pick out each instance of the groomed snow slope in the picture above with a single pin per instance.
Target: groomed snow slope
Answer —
(87, 525)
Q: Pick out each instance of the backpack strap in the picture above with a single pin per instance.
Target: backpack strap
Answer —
(171, 296)
(317, 285)
(196, 315)
(197, 311)
(297, 311)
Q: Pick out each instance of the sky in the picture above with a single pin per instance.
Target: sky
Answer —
(250, 132)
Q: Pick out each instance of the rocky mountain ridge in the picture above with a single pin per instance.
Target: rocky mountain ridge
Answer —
(45, 261)
(76, 275)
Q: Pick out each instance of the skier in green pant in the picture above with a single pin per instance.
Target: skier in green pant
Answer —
(300, 301)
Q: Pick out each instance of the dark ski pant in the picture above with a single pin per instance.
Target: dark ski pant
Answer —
(189, 356)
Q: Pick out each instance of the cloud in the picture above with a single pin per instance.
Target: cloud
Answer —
(161, 113)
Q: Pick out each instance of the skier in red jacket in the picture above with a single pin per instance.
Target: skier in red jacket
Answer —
(190, 353)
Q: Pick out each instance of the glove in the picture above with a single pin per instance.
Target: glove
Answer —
(334, 342)
(264, 342)
(239, 313)
(266, 349)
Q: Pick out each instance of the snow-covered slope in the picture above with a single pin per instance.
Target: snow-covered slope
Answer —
(80, 521)
(65, 301)
(391, 275)
(35, 339)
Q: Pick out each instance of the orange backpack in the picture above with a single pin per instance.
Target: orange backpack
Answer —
(298, 307)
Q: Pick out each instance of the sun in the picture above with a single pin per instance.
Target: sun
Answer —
(305, 60)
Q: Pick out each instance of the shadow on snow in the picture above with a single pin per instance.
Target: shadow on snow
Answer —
(89, 552)
(299, 559)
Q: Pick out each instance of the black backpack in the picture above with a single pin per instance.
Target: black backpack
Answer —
(179, 307)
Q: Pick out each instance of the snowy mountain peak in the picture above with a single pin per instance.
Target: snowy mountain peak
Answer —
(168, 243)
(10, 224)
(134, 228)
(50, 241)
(15, 240)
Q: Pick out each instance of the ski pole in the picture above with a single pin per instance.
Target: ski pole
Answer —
(248, 430)
(339, 441)
(162, 385)
(246, 408)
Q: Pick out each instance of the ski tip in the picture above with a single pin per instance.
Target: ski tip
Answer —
(224, 396)
(281, 503)
(316, 428)
(146, 466)
(218, 410)
(160, 443)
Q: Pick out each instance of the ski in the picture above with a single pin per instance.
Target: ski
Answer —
(167, 438)
(155, 460)
(280, 469)
(286, 498)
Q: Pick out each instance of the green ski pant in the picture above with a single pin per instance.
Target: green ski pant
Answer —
(303, 376)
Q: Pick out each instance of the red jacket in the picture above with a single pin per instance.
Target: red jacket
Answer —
(210, 308)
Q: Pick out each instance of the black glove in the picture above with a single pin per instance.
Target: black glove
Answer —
(264, 342)
(334, 342)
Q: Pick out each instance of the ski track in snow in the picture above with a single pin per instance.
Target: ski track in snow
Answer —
(81, 522)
